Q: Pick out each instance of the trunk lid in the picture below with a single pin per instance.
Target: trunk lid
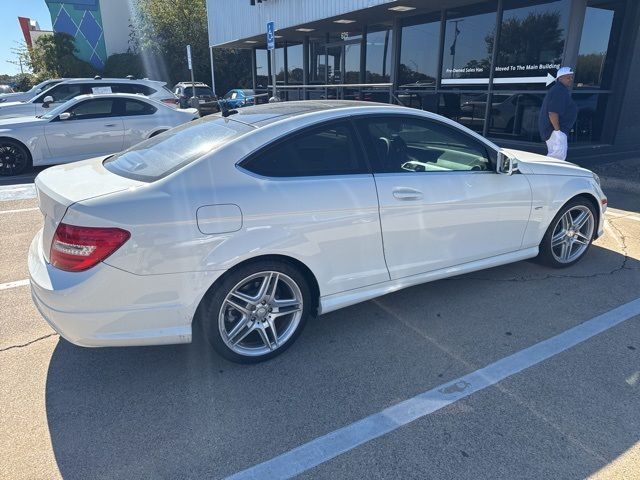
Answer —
(59, 187)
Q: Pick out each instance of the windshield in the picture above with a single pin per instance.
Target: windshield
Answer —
(170, 151)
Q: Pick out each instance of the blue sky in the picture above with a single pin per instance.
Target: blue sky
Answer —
(10, 31)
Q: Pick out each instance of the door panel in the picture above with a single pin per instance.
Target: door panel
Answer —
(436, 220)
(441, 201)
(85, 138)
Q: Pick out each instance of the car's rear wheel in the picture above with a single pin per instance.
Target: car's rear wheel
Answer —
(14, 158)
(569, 235)
(257, 311)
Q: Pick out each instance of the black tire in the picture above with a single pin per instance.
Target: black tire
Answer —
(211, 309)
(546, 255)
(14, 158)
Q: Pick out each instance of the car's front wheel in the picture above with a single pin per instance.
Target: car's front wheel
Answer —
(257, 311)
(14, 158)
(569, 235)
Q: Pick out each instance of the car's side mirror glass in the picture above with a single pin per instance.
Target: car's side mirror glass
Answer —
(65, 116)
(506, 165)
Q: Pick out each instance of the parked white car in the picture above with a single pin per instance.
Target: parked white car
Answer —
(84, 127)
(68, 89)
(29, 94)
(248, 225)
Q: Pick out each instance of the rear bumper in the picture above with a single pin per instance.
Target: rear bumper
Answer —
(106, 306)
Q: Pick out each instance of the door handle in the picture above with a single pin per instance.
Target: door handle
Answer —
(109, 124)
(403, 193)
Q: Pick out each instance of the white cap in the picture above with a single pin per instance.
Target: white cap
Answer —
(564, 71)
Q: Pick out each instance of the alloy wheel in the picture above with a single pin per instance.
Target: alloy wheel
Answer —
(572, 234)
(260, 313)
(12, 159)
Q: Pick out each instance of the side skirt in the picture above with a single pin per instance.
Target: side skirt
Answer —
(336, 301)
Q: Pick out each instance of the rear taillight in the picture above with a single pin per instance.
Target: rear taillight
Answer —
(170, 101)
(75, 249)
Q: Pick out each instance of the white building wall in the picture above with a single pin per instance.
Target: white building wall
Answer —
(116, 19)
(231, 20)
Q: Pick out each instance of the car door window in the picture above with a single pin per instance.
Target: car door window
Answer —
(404, 144)
(134, 107)
(89, 109)
(326, 150)
(62, 93)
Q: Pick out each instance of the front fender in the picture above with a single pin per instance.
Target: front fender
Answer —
(550, 194)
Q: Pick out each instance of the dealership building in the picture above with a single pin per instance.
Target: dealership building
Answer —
(485, 64)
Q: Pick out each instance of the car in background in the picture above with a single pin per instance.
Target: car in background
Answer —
(240, 228)
(238, 97)
(6, 89)
(207, 100)
(84, 127)
(32, 92)
(68, 89)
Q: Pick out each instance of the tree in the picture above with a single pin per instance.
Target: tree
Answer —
(54, 56)
(166, 27)
(22, 56)
(120, 65)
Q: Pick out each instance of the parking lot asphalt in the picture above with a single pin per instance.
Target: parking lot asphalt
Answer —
(183, 412)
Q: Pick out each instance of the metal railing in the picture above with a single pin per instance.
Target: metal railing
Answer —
(339, 91)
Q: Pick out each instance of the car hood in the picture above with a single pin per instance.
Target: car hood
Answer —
(9, 123)
(10, 104)
(536, 164)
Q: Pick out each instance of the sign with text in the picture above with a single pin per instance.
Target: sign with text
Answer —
(189, 57)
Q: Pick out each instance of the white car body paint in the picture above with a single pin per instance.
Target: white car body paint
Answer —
(35, 105)
(148, 290)
(51, 141)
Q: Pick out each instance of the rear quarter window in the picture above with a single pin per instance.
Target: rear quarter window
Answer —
(170, 151)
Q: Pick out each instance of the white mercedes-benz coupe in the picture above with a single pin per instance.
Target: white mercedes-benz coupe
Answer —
(244, 226)
(84, 127)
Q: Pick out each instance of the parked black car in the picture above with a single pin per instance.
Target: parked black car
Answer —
(207, 101)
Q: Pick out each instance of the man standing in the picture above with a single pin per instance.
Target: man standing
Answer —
(558, 114)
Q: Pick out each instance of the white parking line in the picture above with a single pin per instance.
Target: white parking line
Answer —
(18, 283)
(335, 443)
(19, 210)
(17, 192)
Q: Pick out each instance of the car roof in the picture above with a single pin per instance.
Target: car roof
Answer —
(132, 96)
(104, 80)
(261, 115)
(197, 84)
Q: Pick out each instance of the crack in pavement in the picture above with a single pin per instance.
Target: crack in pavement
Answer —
(28, 343)
(622, 240)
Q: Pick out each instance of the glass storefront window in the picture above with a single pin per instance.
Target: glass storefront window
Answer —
(378, 54)
(467, 109)
(514, 116)
(468, 45)
(419, 55)
(262, 68)
(352, 63)
(317, 61)
(294, 64)
(595, 60)
(279, 65)
(532, 39)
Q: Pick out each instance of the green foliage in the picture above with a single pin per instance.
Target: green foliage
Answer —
(165, 28)
(120, 65)
(24, 81)
(54, 56)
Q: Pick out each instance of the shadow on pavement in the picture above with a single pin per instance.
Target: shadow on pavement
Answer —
(27, 177)
(183, 412)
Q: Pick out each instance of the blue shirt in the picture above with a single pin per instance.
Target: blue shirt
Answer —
(557, 100)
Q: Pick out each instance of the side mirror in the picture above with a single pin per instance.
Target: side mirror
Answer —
(65, 116)
(506, 165)
(47, 100)
(38, 90)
